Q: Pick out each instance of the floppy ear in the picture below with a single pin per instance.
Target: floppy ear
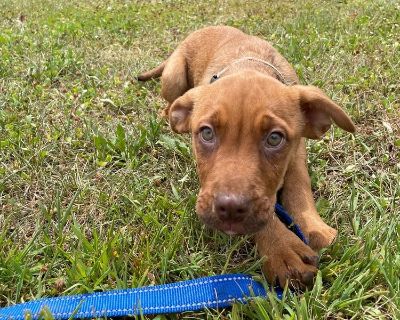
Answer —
(180, 112)
(319, 112)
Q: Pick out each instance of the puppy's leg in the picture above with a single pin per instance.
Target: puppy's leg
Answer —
(298, 200)
(174, 82)
(287, 258)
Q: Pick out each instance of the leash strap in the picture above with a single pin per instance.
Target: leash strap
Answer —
(289, 222)
(213, 292)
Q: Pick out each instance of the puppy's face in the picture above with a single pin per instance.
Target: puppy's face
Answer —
(245, 130)
(243, 134)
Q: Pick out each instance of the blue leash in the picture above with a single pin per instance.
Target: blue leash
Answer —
(213, 292)
(289, 222)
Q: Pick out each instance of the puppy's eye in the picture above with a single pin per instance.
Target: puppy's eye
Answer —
(207, 134)
(274, 139)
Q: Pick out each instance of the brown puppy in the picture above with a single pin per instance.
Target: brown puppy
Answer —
(248, 128)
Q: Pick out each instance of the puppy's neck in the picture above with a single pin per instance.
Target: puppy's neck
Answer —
(253, 63)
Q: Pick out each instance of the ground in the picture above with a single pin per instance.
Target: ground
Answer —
(97, 193)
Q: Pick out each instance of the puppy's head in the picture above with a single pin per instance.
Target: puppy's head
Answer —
(245, 130)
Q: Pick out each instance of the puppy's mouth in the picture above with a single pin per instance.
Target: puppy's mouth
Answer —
(237, 228)
(249, 223)
(232, 228)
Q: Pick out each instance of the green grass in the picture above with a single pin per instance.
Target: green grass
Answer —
(96, 192)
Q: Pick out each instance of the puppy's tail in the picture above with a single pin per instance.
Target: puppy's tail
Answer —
(153, 73)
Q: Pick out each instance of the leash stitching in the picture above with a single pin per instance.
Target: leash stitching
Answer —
(105, 311)
(135, 291)
(141, 290)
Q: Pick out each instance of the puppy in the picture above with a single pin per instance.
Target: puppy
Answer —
(248, 117)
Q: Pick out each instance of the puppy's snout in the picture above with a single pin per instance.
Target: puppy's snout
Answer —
(231, 207)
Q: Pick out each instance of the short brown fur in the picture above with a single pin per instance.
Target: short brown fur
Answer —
(238, 169)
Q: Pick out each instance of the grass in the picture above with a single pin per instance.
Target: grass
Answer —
(96, 192)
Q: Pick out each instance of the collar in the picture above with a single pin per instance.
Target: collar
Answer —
(281, 77)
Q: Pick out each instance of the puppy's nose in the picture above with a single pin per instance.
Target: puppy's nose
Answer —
(231, 207)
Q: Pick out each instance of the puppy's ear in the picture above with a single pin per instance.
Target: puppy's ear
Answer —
(180, 112)
(319, 112)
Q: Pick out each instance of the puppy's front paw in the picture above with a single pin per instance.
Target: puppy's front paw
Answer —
(287, 260)
(322, 236)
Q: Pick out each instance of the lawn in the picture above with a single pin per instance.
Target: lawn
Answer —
(97, 193)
